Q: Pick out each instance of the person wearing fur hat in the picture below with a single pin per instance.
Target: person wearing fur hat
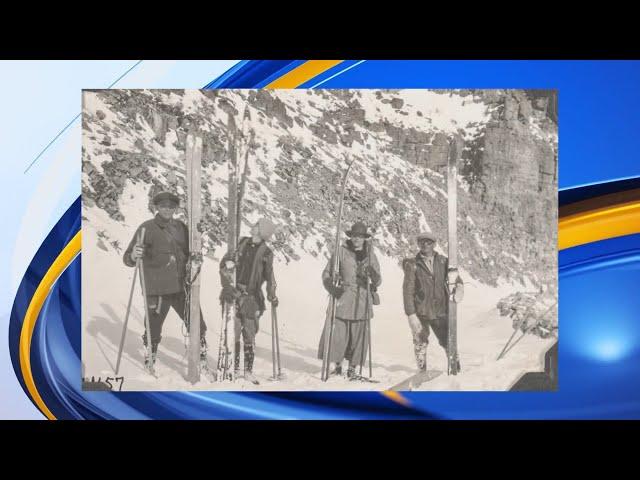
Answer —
(165, 253)
(359, 274)
(426, 296)
(254, 268)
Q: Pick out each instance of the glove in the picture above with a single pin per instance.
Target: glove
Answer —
(274, 302)
(458, 291)
(196, 261)
(329, 286)
(368, 273)
(229, 294)
(371, 273)
(336, 291)
(137, 252)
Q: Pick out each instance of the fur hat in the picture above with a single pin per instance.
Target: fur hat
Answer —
(266, 228)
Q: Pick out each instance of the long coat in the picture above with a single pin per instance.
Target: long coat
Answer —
(353, 303)
(165, 257)
(349, 340)
(425, 292)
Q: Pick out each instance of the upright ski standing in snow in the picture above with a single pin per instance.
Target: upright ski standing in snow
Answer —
(229, 350)
(193, 167)
(335, 272)
(453, 364)
(242, 144)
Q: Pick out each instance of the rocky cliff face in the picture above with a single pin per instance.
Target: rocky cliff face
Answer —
(134, 145)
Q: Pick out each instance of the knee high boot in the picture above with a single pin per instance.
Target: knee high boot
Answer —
(248, 364)
(236, 358)
(420, 351)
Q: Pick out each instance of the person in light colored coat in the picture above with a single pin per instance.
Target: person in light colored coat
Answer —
(359, 278)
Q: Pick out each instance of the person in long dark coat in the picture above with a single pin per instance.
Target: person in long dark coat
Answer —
(253, 269)
(165, 252)
(358, 267)
(426, 296)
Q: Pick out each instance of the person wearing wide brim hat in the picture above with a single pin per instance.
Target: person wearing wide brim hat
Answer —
(164, 253)
(426, 295)
(254, 267)
(359, 278)
(358, 229)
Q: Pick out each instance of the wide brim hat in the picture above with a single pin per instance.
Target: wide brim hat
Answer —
(162, 196)
(426, 235)
(358, 229)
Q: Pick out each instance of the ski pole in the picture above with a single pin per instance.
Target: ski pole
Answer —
(226, 364)
(273, 341)
(369, 319)
(515, 330)
(275, 316)
(220, 337)
(326, 364)
(144, 296)
(369, 341)
(505, 349)
(366, 337)
(126, 320)
(140, 267)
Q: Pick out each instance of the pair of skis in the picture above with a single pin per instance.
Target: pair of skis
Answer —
(239, 147)
(227, 345)
(335, 281)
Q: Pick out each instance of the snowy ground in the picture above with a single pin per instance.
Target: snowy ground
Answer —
(481, 332)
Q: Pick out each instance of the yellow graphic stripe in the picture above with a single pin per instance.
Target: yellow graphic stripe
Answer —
(599, 224)
(39, 297)
(396, 397)
(303, 73)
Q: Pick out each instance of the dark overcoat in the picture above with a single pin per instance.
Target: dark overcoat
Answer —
(426, 292)
(165, 257)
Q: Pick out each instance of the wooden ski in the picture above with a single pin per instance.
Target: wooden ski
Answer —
(452, 338)
(194, 167)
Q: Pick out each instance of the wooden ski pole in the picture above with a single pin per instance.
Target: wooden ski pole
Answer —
(147, 326)
(273, 341)
(366, 337)
(369, 341)
(515, 330)
(275, 316)
(126, 320)
(369, 319)
(505, 350)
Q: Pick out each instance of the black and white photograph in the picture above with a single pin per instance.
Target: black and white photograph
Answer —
(318, 240)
